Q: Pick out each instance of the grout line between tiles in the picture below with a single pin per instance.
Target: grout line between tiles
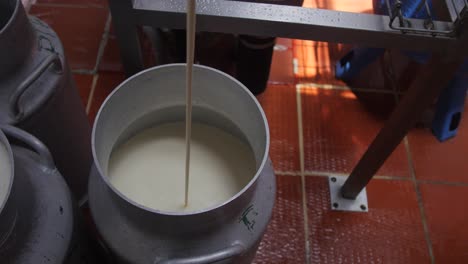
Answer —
(326, 86)
(420, 201)
(328, 174)
(392, 178)
(280, 83)
(309, 173)
(91, 93)
(311, 44)
(436, 182)
(309, 85)
(288, 173)
(295, 63)
(302, 173)
(103, 44)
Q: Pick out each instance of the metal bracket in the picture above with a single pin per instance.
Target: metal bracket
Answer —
(429, 28)
(338, 203)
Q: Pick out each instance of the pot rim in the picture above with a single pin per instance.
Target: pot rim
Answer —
(12, 17)
(4, 141)
(254, 179)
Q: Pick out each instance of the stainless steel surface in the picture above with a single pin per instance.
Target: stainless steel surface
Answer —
(38, 94)
(291, 22)
(8, 212)
(339, 203)
(15, 106)
(14, 45)
(137, 234)
(43, 153)
(44, 227)
(277, 21)
(235, 250)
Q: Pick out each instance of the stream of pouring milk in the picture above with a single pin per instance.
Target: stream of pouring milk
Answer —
(5, 168)
(188, 112)
(148, 167)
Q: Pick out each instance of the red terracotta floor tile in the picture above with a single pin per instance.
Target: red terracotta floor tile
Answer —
(447, 212)
(111, 60)
(338, 130)
(279, 104)
(83, 83)
(284, 240)
(441, 161)
(79, 28)
(106, 83)
(391, 232)
(282, 70)
(355, 6)
(288, 43)
(315, 61)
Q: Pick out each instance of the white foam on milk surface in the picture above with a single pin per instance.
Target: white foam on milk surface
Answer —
(150, 167)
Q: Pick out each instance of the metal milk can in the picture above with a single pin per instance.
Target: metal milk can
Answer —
(38, 94)
(226, 233)
(38, 221)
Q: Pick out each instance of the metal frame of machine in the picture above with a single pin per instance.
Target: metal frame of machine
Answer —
(448, 40)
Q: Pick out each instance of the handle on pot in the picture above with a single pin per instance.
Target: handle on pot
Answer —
(232, 251)
(52, 59)
(35, 144)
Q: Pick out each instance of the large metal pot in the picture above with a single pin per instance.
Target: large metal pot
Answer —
(38, 222)
(37, 93)
(228, 232)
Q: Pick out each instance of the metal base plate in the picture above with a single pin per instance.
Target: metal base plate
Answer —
(338, 203)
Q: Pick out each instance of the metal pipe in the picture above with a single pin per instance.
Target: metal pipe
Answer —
(424, 90)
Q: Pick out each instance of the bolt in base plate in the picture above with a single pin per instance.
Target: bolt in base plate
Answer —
(338, 203)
